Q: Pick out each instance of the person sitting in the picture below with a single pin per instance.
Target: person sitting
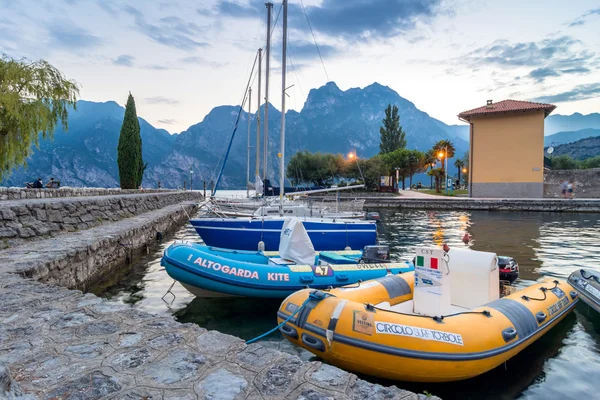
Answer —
(52, 184)
(38, 184)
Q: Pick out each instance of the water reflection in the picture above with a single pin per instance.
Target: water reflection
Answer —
(561, 364)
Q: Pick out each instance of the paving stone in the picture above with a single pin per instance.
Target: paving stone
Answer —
(92, 386)
(222, 385)
(129, 359)
(278, 379)
(176, 366)
(330, 376)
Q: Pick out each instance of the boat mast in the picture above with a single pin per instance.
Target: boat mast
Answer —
(268, 55)
(257, 172)
(248, 147)
(282, 146)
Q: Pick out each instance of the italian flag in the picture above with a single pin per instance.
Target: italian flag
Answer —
(433, 262)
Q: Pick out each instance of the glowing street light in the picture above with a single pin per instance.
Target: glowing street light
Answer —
(441, 155)
(464, 170)
(351, 155)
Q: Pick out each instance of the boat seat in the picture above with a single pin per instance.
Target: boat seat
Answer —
(406, 307)
(335, 258)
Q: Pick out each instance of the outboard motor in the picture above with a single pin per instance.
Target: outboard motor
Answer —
(375, 254)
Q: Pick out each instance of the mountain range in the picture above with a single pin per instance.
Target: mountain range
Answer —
(331, 120)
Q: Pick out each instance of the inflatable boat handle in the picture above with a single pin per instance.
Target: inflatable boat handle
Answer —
(544, 290)
(590, 276)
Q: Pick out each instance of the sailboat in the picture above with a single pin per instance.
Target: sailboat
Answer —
(264, 232)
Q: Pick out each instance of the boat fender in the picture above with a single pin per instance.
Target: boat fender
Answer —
(509, 334)
(313, 342)
(337, 311)
(261, 246)
(573, 294)
(541, 317)
(289, 331)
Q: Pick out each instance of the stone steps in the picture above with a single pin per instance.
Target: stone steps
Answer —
(24, 220)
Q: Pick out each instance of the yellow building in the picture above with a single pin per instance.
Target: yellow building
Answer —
(506, 155)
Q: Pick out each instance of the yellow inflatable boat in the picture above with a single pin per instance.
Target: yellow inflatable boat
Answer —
(444, 322)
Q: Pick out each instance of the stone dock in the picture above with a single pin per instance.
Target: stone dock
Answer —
(58, 343)
(464, 203)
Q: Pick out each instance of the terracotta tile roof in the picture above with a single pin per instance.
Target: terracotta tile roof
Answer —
(507, 106)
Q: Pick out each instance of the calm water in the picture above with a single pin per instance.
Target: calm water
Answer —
(564, 364)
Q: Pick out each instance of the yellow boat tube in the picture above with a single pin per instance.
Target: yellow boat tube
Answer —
(370, 328)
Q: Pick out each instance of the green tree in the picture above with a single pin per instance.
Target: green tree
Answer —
(415, 163)
(397, 159)
(392, 135)
(593, 162)
(438, 174)
(459, 164)
(129, 151)
(34, 96)
(319, 169)
(564, 162)
(429, 162)
(446, 148)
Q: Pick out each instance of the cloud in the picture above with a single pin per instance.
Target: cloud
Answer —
(161, 100)
(302, 50)
(124, 60)
(353, 20)
(504, 53)
(550, 57)
(68, 36)
(157, 67)
(581, 20)
(170, 31)
(167, 121)
(580, 92)
(201, 61)
(542, 73)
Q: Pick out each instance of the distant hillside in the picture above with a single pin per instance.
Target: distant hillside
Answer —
(569, 123)
(581, 149)
(569, 137)
(332, 120)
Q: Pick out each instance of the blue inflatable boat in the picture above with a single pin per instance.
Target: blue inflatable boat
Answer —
(213, 272)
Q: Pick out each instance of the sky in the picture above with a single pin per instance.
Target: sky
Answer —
(181, 58)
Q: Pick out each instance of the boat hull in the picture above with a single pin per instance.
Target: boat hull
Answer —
(409, 347)
(587, 282)
(212, 272)
(246, 233)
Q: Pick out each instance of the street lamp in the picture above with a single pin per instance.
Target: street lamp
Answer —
(397, 179)
(191, 176)
(444, 157)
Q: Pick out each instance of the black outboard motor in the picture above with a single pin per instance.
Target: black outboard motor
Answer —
(376, 254)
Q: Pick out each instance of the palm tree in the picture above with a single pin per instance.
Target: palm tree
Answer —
(446, 147)
(459, 163)
(429, 162)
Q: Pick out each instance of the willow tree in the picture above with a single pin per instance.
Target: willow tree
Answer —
(34, 97)
(129, 150)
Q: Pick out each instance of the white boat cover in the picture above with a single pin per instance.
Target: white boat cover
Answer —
(295, 244)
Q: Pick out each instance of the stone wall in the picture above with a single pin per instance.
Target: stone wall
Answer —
(587, 182)
(460, 203)
(15, 193)
(23, 220)
(80, 259)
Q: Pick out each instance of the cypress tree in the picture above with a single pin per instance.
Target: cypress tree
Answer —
(392, 135)
(129, 152)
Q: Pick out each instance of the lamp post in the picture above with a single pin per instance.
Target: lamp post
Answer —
(191, 176)
(444, 157)
(397, 179)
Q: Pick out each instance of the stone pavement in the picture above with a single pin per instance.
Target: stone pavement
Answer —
(57, 343)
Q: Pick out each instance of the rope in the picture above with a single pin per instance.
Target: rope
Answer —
(314, 39)
(312, 296)
(544, 290)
